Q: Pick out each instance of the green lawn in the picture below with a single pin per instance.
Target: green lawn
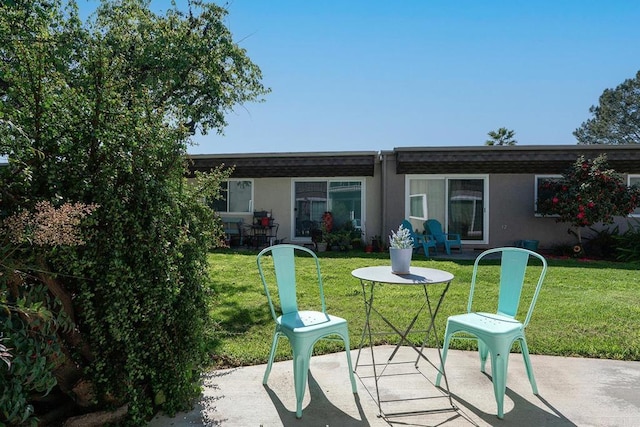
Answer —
(588, 309)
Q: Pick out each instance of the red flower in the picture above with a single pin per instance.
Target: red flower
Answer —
(581, 215)
(555, 200)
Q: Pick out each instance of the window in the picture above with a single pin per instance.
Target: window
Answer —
(458, 202)
(541, 193)
(315, 197)
(635, 180)
(237, 197)
(418, 206)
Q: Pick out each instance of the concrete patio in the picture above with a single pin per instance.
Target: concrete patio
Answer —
(572, 392)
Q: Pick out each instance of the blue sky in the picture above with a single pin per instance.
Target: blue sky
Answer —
(353, 75)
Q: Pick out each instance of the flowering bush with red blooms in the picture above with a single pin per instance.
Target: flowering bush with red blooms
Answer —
(588, 193)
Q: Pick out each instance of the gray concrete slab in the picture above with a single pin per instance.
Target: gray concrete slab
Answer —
(572, 392)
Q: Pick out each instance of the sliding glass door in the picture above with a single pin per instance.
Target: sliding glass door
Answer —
(458, 202)
(313, 198)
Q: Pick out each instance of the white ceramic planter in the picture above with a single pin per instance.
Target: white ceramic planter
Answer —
(400, 260)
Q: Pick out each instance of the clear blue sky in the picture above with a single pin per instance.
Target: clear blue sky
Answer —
(351, 75)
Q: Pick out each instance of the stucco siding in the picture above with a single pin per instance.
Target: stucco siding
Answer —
(274, 195)
(373, 206)
(394, 203)
(512, 216)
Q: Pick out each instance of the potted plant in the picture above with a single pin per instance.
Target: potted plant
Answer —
(321, 238)
(321, 246)
(400, 250)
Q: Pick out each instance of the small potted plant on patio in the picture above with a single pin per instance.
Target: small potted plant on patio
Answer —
(400, 250)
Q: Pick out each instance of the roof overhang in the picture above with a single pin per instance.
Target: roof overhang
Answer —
(547, 159)
(278, 165)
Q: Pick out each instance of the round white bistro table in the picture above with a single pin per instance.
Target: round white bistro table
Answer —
(422, 278)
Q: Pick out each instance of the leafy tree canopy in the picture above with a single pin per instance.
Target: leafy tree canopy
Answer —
(616, 118)
(502, 136)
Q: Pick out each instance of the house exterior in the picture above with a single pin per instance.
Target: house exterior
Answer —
(485, 193)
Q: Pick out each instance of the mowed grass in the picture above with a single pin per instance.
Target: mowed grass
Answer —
(585, 309)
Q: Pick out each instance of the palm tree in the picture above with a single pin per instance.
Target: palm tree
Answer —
(502, 136)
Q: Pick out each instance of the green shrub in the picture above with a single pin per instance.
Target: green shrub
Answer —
(31, 327)
(102, 114)
(602, 244)
(628, 244)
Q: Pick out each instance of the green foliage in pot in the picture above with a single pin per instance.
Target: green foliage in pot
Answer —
(401, 239)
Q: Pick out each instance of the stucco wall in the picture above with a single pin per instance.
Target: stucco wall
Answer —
(373, 205)
(511, 213)
(274, 194)
(394, 198)
(512, 216)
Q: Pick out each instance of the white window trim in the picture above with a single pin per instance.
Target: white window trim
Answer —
(424, 207)
(484, 177)
(250, 211)
(536, 179)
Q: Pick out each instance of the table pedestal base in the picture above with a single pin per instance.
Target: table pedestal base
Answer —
(396, 389)
(403, 389)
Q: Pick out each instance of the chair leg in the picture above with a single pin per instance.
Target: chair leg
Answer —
(347, 348)
(499, 365)
(527, 364)
(445, 349)
(274, 345)
(483, 351)
(300, 376)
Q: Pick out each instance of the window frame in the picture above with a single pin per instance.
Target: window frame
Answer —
(536, 185)
(423, 204)
(226, 196)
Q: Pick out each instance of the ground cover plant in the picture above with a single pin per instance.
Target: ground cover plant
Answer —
(585, 309)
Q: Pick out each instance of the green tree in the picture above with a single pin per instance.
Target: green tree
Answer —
(502, 136)
(102, 113)
(588, 193)
(616, 118)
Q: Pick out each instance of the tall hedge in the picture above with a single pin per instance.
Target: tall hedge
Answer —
(102, 113)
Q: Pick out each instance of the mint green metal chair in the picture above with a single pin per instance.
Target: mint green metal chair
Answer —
(447, 240)
(302, 328)
(497, 332)
(420, 240)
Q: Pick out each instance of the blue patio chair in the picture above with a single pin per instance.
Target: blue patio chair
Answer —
(420, 240)
(497, 332)
(447, 240)
(302, 328)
